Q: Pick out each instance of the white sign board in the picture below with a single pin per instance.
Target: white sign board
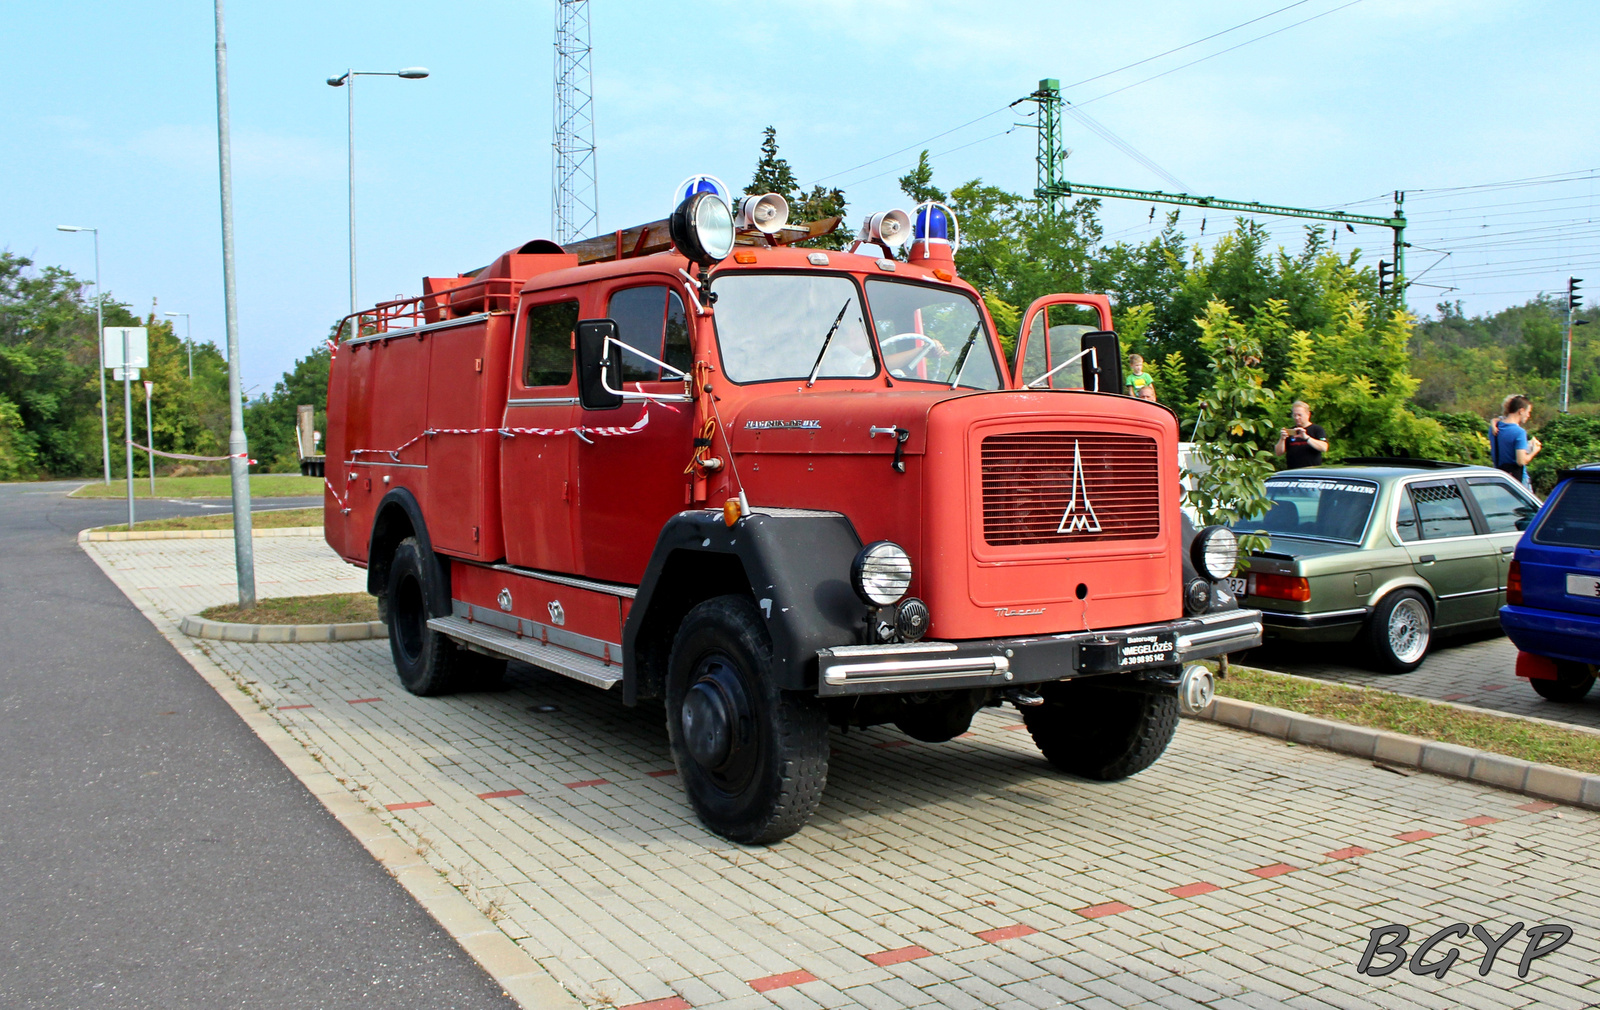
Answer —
(119, 373)
(138, 347)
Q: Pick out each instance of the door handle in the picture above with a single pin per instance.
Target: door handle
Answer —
(1426, 559)
(1508, 550)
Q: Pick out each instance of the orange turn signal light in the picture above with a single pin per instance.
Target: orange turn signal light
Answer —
(730, 511)
(944, 275)
(1282, 587)
(744, 257)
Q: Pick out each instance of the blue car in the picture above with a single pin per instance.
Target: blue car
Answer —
(1552, 611)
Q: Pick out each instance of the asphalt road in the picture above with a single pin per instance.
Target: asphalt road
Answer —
(153, 852)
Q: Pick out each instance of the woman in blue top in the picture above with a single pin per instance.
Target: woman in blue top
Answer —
(1511, 448)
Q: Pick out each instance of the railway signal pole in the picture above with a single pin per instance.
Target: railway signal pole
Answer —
(1574, 303)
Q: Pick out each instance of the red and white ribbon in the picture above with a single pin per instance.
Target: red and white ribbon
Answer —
(184, 455)
(580, 430)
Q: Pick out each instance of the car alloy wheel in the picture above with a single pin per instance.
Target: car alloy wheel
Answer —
(1409, 630)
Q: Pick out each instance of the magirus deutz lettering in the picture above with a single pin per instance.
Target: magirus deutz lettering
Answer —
(780, 491)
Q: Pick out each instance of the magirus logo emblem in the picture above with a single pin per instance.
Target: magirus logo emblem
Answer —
(1079, 516)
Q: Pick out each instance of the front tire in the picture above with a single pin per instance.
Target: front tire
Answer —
(1573, 682)
(1100, 733)
(1400, 630)
(753, 758)
(427, 662)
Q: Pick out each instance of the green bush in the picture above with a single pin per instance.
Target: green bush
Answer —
(1569, 439)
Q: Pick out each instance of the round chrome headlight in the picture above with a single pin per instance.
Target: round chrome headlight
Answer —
(702, 229)
(881, 573)
(1215, 552)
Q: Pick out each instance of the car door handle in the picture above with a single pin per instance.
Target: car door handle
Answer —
(1426, 559)
(1508, 550)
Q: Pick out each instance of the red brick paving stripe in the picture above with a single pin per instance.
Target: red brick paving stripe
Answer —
(1417, 836)
(1275, 870)
(289, 708)
(886, 744)
(1191, 890)
(1495, 687)
(663, 773)
(409, 806)
(1451, 697)
(884, 958)
(667, 1003)
(1005, 933)
(783, 981)
(1350, 853)
(363, 701)
(1020, 725)
(1535, 806)
(502, 794)
(1104, 909)
(587, 782)
(1480, 821)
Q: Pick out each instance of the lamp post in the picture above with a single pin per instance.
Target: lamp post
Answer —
(347, 81)
(100, 352)
(187, 339)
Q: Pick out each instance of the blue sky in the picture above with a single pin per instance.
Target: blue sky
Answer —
(110, 113)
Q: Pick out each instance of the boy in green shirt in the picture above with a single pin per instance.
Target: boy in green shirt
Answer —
(1139, 382)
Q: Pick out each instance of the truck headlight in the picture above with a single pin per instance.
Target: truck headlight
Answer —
(881, 573)
(1215, 552)
(702, 229)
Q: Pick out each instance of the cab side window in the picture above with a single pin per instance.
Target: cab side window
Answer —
(547, 358)
(1441, 511)
(1505, 510)
(653, 320)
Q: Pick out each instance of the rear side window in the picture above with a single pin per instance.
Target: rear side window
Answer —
(547, 360)
(1574, 517)
(1441, 511)
(651, 319)
(1503, 509)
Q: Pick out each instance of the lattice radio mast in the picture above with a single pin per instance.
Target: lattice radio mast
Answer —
(574, 189)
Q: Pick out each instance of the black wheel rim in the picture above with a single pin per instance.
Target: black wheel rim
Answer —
(407, 614)
(718, 724)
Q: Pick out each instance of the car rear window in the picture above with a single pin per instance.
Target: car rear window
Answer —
(1574, 517)
(1314, 508)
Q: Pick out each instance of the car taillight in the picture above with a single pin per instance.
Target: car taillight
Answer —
(1514, 584)
(1282, 587)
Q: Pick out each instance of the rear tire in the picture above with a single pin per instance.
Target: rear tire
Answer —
(1400, 630)
(753, 758)
(427, 662)
(1100, 733)
(1573, 682)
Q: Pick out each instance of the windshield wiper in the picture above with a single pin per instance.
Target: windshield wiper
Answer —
(966, 349)
(817, 366)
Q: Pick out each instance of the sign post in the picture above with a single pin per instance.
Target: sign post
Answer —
(129, 345)
(150, 435)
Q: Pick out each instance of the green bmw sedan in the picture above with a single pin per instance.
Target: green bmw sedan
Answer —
(1384, 552)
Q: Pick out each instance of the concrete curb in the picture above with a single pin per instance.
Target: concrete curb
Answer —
(228, 631)
(522, 977)
(102, 536)
(1513, 774)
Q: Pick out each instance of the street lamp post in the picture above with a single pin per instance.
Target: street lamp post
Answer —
(347, 81)
(99, 343)
(188, 339)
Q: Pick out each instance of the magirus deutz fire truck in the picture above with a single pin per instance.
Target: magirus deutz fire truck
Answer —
(778, 489)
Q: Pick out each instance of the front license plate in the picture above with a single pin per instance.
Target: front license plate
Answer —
(1583, 585)
(1147, 650)
(1238, 587)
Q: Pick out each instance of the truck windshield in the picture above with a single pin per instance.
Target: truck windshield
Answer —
(774, 326)
(1314, 509)
(932, 334)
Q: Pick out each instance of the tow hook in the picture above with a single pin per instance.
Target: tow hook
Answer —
(1022, 697)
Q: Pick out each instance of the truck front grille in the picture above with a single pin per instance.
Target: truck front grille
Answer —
(1063, 487)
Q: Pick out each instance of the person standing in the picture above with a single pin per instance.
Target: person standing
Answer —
(1139, 382)
(1511, 447)
(1303, 443)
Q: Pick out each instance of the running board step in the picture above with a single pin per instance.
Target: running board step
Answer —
(548, 657)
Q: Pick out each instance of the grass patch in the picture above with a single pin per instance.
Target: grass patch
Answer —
(275, 519)
(209, 486)
(334, 608)
(1385, 710)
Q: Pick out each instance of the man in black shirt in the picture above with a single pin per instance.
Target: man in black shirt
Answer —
(1304, 443)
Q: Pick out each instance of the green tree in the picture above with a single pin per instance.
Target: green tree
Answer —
(1540, 349)
(773, 174)
(918, 184)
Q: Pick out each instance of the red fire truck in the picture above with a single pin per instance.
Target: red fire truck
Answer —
(778, 489)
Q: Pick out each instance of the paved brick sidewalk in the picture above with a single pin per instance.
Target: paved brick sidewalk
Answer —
(1238, 872)
(1476, 671)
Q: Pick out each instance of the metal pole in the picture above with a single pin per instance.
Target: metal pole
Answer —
(100, 338)
(1399, 243)
(188, 338)
(243, 545)
(350, 98)
(127, 421)
(150, 436)
(1566, 351)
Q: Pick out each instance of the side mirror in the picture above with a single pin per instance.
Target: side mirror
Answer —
(1102, 370)
(594, 364)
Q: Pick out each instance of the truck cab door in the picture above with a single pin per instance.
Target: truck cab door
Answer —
(536, 495)
(1052, 331)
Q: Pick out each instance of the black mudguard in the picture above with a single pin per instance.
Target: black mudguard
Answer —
(794, 563)
(388, 529)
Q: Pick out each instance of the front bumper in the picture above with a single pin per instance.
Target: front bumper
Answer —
(1005, 662)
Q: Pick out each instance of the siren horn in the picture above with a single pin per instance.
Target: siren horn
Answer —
(766, 214)
(888, 228)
